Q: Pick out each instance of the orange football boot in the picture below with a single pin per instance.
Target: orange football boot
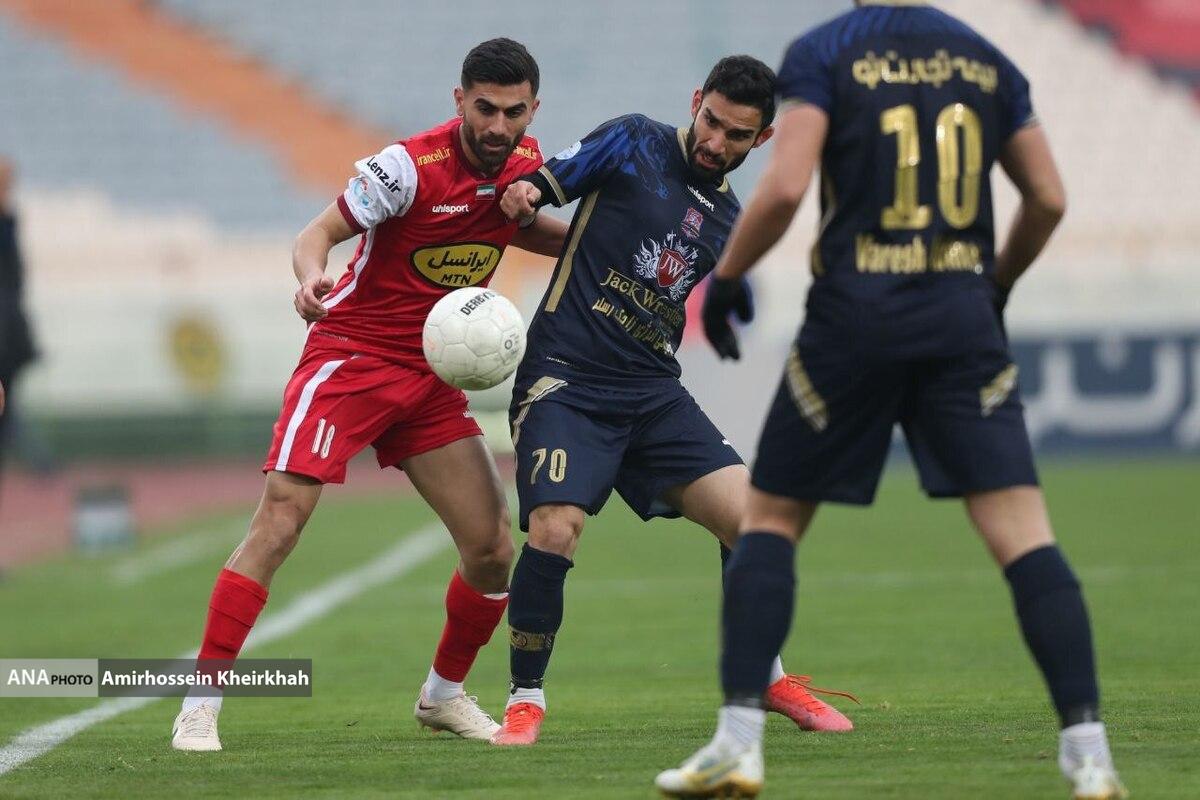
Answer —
(522, 723)
(792, 696)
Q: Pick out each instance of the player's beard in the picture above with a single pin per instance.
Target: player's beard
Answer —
(492, 160)
(711, 174)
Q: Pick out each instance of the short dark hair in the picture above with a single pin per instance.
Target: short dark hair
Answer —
(744, 80)
(501, 61)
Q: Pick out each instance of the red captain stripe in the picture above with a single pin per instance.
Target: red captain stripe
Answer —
(345, 209)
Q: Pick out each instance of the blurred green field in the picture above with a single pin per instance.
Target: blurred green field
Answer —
(898, 604)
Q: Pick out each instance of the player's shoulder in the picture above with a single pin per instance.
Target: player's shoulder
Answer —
(645, 132)
(527, 155)
(432, 146)
(831, 39)
(632, 125)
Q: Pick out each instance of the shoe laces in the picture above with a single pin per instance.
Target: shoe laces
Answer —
(200, 723)
(803, 685)
(521, 716)
(473, 709)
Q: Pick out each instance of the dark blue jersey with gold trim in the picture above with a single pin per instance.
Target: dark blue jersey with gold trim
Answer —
(919, 105)
(647, 230)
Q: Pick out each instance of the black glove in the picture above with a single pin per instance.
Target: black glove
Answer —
(724, 296)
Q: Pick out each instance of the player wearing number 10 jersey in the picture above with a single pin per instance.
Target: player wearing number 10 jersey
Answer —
(907, 109)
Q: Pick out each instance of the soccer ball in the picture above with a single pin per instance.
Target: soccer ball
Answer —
(474, 338)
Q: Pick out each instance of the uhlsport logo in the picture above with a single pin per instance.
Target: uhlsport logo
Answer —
(456, 265)
(670, 263)
(704, 201)
(446, 208)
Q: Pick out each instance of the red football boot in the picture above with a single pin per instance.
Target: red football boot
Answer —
(792, 696)
(522, 723)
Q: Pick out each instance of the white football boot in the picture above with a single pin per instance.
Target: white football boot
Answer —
(460, 715)
(1094, 782)
(716, 773)
(196, 730)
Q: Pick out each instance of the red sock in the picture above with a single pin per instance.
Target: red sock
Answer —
(470, 620)
(235, 604)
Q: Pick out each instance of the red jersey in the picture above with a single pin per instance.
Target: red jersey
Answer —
(431, 223)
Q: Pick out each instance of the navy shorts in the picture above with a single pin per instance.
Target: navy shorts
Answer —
(576, 442)
(829, 430)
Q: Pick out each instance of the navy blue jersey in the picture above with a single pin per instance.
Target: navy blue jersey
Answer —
(647, 230)
(919, 105)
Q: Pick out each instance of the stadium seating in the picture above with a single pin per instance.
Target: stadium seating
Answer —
(163, 179)
(1164, 32)
(73, 124)
(1127, 146)
(395, 67)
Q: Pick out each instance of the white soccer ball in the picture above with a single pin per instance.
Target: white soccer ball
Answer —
(474, 338)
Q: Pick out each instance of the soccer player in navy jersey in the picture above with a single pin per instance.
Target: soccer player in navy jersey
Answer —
(598, 404)
(906, 109)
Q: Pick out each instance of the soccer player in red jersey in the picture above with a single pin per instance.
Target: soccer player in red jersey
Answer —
(428, 212)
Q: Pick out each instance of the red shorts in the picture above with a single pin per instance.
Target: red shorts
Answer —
(337, 403)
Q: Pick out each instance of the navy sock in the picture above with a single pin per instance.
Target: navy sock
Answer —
(760, 587)
(535, 610)
(1055, 624)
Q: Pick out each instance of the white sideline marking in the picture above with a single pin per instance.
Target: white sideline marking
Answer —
(406, 556)
(173, 554)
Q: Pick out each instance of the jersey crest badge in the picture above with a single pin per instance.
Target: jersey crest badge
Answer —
(670, 263)
(692, 221)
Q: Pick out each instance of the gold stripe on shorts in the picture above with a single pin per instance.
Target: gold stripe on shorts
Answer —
(995, 393)
(810, 404)
(541, 387)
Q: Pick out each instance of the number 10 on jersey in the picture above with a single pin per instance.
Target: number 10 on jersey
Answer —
(959, 167)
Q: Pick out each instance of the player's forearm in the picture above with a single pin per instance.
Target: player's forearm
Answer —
(310, 254)
(546, 236)
(763, 224)
(1031, 230)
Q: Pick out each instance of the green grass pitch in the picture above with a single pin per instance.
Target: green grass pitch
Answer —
(898, 603)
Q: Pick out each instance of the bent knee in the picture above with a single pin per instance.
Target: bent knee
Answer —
(278, 523)
(494, 550)
(556, 529)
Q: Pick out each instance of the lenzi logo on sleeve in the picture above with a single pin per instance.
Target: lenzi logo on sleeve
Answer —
(456, 265)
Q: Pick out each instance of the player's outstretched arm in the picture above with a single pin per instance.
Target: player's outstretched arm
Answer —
(310, 256)
(1, 398)
(1027, 161)
(546, 236)
(799, 139)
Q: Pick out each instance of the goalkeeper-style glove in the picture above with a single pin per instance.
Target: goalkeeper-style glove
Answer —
(724, 296)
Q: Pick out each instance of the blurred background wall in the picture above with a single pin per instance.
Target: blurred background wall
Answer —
(167, 153)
